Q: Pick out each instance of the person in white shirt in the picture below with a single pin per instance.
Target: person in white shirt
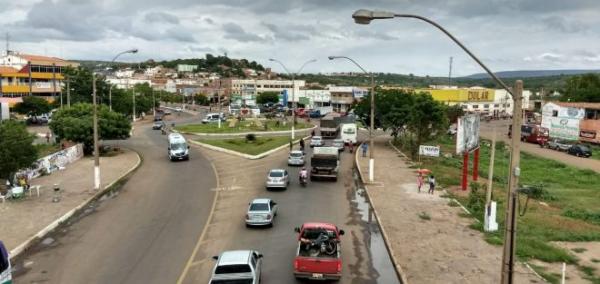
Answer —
(431, 184)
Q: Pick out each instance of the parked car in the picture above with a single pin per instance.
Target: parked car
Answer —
(261, 211)
(237, 266)
(580, 150)
(316, 141)
(559, 144)
(167, 112)
(338, 143)
(315, 114)
(296, 158)
(277, 178)
(158, 125)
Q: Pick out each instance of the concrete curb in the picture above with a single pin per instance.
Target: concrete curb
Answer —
(258, 133)
(399, 272)
(29, 242)
(246, 156)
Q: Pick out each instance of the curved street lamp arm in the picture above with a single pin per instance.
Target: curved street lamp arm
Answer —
(282, 65)
(303, 65)
(459, 44)
(352, 60)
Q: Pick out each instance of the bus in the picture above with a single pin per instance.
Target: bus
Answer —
(348, 133)
(5, 269)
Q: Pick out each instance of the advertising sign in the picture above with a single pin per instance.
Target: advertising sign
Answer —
(431, 151)
(589, 134)
(284, 98)
(562, 127)
(467, 133)
(4, 111)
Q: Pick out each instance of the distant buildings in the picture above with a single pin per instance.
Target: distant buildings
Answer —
(26, 74)
(182, 68)
(572, 121)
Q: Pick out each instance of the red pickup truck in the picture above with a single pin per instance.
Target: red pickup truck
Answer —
(319, 252)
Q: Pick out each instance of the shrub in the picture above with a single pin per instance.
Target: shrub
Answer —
(250, 137)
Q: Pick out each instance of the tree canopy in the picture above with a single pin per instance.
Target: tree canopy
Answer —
(267, 97)
(33, 105)
(16, 148)
(584, 88)
(76, 124)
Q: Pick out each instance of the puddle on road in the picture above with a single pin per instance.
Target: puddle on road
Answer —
(379, 254)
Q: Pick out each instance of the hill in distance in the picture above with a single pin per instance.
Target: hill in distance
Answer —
(532, 73)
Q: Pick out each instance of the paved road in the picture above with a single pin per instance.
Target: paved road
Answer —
(364, 257)
(146, 234)
(501, 127)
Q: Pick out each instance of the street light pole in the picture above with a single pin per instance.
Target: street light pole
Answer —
(68, 92)
(365, 17)
(110, 97)
(96, 148)
(293, 76)
(132, 51)
(372, 122)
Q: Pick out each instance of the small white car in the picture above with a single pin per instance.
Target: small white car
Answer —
(178, 109)
(296, 158)
(261, 212)
(316, 141)
(237, 266)
(277, 178)
(338, 143)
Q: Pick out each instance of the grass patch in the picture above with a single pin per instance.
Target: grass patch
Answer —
(572, 195)
(424, 216)
(258, 146)
(553, 278)
(46, 149)
(579, 250)
(244, 126)
(453, 203)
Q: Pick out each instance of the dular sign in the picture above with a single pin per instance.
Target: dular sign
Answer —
(467, 133)
(431, 151)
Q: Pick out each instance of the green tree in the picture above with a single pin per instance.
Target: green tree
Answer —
(426, 118)
(584, 88)
(16, 148)
(267, 97)
(76, 124)
(81, 86)
(32, 105)
(454, 112)
(201, 99)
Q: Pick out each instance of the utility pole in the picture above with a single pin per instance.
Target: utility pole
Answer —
(133, 98)
(153, 104)
(450, 72)
(96, 148)
(371, 132)
(510, 231)
(68, 92)
(219, 102)
(489, 218)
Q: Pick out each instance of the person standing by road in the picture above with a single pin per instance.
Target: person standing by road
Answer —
(431, 184)
(419, 181)
(364, 147)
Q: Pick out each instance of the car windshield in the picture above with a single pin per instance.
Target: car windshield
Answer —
(316, 138)
(314, 233)
(584, 148)
(233, 268)
(259, 207)
(233, 281)
(178, 146)
(295, 154)
(276, 174)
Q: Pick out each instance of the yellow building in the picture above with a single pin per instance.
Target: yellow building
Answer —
(25, 75)
(464, 95)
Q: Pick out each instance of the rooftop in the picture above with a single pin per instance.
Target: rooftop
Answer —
(579, 105)
(234, 257)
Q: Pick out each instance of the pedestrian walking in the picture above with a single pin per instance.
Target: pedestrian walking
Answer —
(48, 137)
(419, 181)
(302, 144)
(291, 145)
(431, 184)
(312, 133)
(364, 147)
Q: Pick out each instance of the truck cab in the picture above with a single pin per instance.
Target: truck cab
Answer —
(318, 256)
(325, 163)
(178, 148)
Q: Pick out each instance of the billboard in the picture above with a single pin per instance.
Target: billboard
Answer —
(467, 134)
(461, 95)
(4, 114)
(431, 151)
(562, 127)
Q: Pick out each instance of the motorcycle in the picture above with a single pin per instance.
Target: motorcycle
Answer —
(303, 180)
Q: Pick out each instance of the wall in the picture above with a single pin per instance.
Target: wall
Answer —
(53, 162)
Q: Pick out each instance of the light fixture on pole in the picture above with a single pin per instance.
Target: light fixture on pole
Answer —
(365, 17)
(372, 115)
(132, 51)
(293, 75)
(96, 148)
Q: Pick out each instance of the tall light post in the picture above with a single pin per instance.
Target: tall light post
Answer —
(365, 17)
(96, 148)
(132, 51)
(372, 122)
(293, 75)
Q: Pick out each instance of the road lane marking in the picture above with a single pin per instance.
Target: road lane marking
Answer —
(206, 226)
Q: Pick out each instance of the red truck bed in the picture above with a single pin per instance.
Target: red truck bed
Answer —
(312, 263)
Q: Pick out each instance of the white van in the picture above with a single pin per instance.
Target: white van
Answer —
(5, 269)
(178, 148)
(213, 117)
(348, 133)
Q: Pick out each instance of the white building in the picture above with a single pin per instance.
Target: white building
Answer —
(241, 86)
(183, 68)
(124, 83)
(153, 71)
(503, 101)
(124, 73)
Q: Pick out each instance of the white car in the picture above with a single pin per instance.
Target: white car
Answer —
(178, 109)
(237, 266)
(277, 178)
(261, 211)
(338, 143)
(296, 158)
(316, 141)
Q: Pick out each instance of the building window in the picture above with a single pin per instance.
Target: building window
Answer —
(496, 105)
(475, 106)
(555, 113)
(486, 106)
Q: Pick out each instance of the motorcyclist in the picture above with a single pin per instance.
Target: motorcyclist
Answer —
(303, 174)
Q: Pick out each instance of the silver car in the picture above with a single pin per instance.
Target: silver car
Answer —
(261, 211)
(316, 141)
(338, 143)
(296, 158)
(277, 178)
(237, 266)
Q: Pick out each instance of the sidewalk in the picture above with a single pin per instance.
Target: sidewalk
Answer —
(440, 250)
(22, 219)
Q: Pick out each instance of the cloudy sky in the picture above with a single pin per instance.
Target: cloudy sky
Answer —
(505, 34)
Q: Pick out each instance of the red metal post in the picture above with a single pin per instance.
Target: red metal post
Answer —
(476, 165)
(465, 172)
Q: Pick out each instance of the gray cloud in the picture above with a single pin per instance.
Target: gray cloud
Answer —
(286, 33)
(561, 24)
(161, 17)
(236, 32)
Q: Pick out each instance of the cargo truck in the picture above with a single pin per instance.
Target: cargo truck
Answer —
(324, 163)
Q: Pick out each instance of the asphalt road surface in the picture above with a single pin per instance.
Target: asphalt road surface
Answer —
(145, 235)
(365, 259)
